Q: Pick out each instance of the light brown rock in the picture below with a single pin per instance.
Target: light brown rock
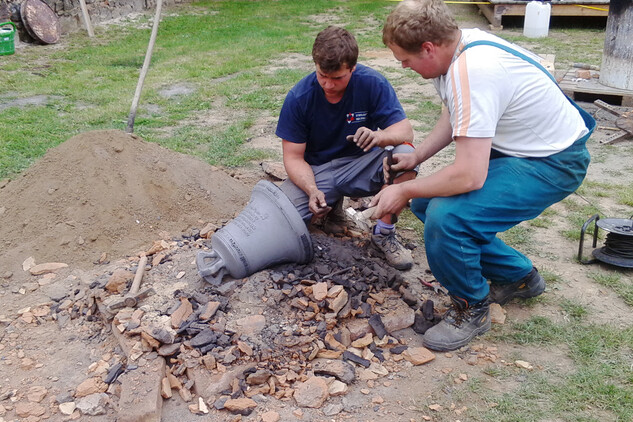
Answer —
(48, 267)
(337, 303)
(319, 291)
(26, 409)
(91, 386)
(497, 314)
(165, 390)
(182, 313)
(248, 325)
(418, 355)
(209, 310)
(270, 416)
(36, 393)
(363, 341)
(118, 280)
(312, 393)
(141, 398)
(242, 406)
(337, 388)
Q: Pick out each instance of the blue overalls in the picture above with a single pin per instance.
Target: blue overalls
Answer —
(460, 232)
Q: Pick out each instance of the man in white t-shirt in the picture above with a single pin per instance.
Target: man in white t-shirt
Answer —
(519, 148)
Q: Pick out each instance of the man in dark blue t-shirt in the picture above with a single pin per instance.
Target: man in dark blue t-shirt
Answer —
(334, 125)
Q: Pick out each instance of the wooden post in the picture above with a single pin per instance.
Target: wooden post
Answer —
(617, 58)
(86, 16)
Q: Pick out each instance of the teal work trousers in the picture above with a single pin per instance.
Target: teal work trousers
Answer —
(460, 232)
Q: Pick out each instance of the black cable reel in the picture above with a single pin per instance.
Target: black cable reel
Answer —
(618, 245)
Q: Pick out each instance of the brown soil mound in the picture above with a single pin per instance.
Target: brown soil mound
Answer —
(109, 191)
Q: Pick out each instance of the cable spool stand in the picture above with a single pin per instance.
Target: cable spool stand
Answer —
(618, 245)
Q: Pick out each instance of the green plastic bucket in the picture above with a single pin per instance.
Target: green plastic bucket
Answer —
(7, 32)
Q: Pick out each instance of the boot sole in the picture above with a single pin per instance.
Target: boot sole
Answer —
(447, 347)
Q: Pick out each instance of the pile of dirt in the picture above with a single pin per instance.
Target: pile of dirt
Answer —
(109, 192)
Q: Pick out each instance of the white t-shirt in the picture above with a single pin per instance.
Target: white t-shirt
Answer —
(491, 93)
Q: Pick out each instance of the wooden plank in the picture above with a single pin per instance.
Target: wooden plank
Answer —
(574, 87)
(497, 9)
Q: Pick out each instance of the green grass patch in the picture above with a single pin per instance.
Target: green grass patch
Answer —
(599, 385)
(621, 284)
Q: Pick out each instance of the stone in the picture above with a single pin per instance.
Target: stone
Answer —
(241, 406)
(319, 291)
(93, 404)
(332, 409)
(202, 406)
(248, 325)
(28, 263)
(204, 337)
(208, 230)
(258, 377)
(337, 368)
(523, 364)
(337, 388)
(398, 316)
(337, 303)
(26, 409)
(168, 349)
(497, 314)
(275, 169)
(364, 341)
(118, 281)
(270, 416)
(48, 267)
(418, 355)
(165, 388)
(182, 313)
(142, 404)
(209, 310)
(67, 408)
(162, 334)
(312, 393)
(36, 393)
(91, 386)
(207, 384)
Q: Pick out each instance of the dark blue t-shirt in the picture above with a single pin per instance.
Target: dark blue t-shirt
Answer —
(307, 116)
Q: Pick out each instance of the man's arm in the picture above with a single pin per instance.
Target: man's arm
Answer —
(395, 134)
(301, 174)
(467, 173)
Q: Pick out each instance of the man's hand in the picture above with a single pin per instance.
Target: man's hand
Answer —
(399, 162)
(317, 204)
(390, 200)
(365, 138)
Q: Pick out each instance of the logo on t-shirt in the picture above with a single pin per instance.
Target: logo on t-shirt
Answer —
(356, 117)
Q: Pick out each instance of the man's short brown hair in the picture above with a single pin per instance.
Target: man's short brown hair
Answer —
(334, 48)
(414, 22)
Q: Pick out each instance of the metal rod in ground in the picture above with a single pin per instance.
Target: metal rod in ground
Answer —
(141, 79)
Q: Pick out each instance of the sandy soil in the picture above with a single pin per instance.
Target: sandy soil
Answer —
(99, 199)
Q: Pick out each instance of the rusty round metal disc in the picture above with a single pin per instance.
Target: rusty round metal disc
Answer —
(40, 21)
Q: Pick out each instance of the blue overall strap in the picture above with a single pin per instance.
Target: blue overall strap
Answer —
(590, 122)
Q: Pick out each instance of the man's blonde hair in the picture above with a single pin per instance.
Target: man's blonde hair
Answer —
(414, 22)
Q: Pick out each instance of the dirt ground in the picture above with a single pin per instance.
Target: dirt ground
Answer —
(101, 198)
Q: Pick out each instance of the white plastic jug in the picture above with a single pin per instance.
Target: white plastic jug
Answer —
(537, 15)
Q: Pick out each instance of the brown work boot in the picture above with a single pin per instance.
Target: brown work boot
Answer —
(397, 255)
(461, 323)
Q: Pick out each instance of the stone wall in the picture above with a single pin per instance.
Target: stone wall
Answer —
(69, 12)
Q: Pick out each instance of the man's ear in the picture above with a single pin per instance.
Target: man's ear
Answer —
(427, 47)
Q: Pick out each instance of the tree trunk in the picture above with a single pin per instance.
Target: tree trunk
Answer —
(617, 58)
